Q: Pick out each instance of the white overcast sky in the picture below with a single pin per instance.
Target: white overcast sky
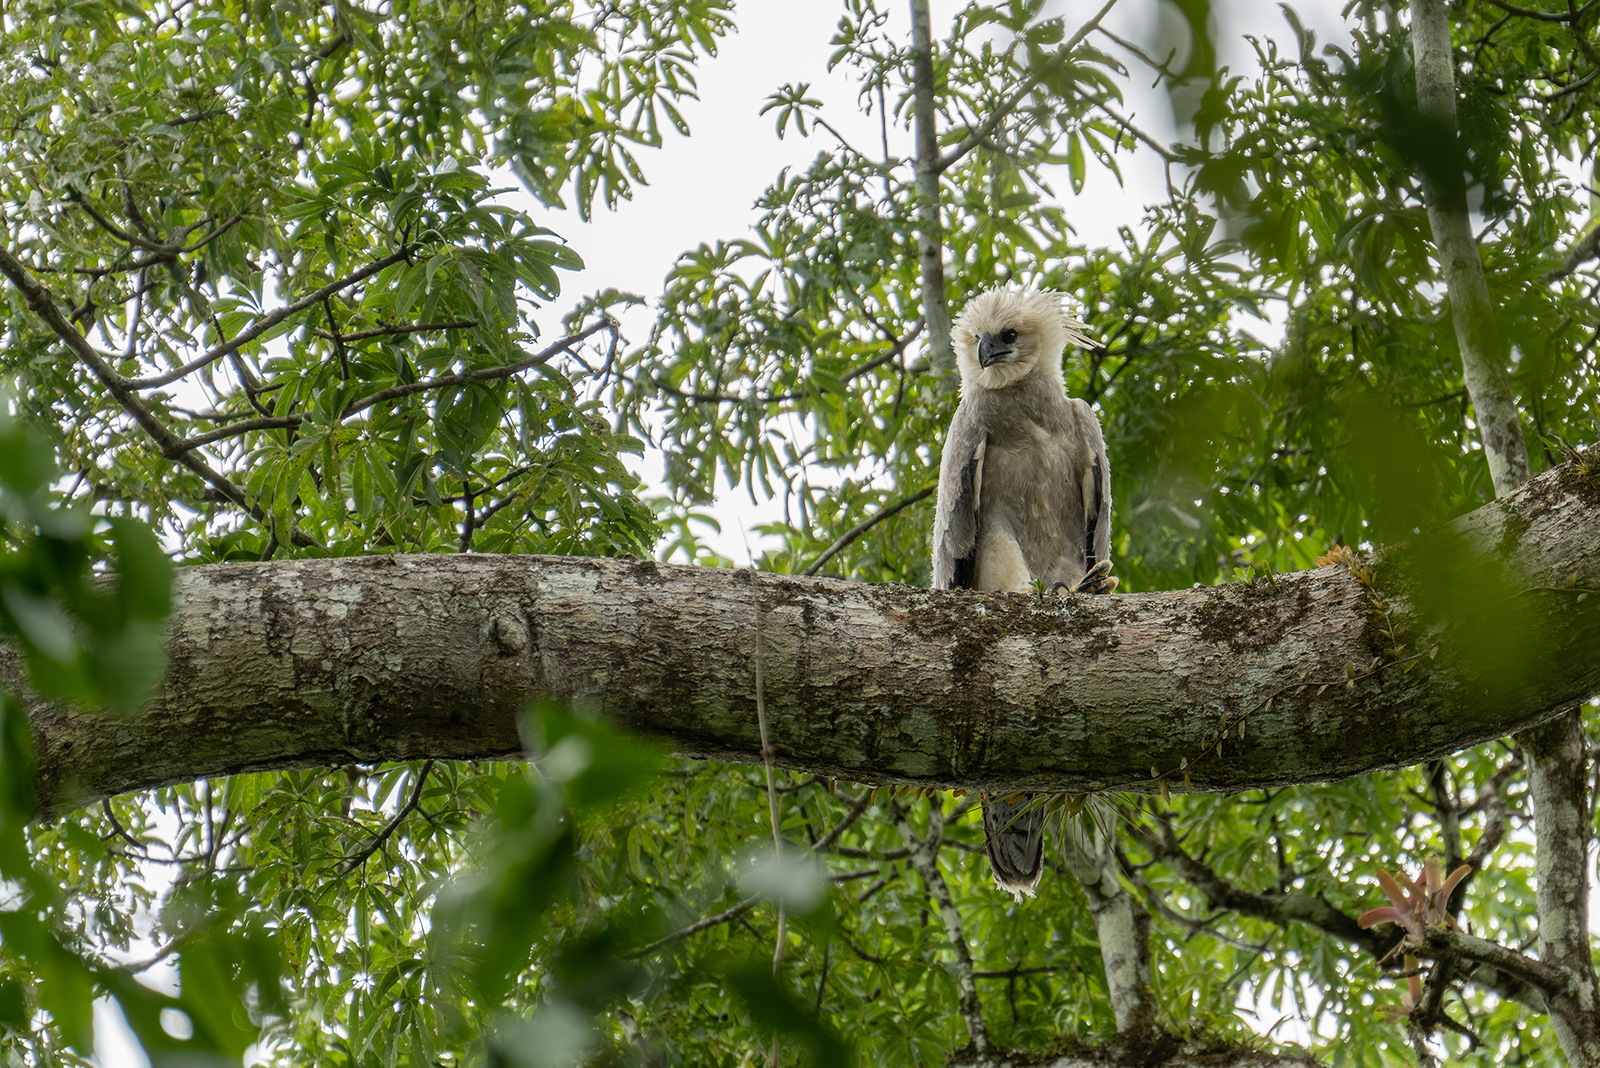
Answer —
(703, 188)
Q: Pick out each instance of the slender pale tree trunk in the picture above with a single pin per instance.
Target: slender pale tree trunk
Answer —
(930, 242)
(1123, 927)
(1557, 751)
(924, 857)
(1558, 761)
(1482, 362)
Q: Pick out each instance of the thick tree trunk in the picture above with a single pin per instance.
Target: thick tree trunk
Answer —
(330, 662)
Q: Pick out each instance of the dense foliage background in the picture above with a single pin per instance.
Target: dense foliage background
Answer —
(306, 324)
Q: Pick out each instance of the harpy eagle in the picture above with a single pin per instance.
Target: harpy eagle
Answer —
(1024, 494)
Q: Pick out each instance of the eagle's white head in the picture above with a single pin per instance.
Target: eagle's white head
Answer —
(1004, 334)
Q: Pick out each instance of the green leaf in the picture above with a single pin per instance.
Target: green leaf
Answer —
(775, 1008)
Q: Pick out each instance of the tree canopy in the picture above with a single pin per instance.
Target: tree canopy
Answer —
(264, 302)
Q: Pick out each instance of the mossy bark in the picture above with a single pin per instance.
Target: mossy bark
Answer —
(360, 660)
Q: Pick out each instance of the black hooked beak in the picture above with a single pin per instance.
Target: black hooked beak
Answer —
(992, 350)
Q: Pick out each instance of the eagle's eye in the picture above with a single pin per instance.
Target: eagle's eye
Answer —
(1008, 336)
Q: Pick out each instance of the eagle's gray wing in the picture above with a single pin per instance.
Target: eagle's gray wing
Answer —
(1096, 491)
(955, 518)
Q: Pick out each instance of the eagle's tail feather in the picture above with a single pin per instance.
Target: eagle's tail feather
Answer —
(1013, 830)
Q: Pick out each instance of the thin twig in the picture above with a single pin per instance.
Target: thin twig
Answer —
(727, 915)
(863, 896)
(161, 954)
(134, 319)
(722, 917)
(1571, 15)
(924, 857)
(387, 329)
(859, 806)
(1148, 60)
(40, 300)
(338, 341)
(269, 320)
(861, 528)
(1135, 132)
(1584, 249)
(897, 347)
(164, 252)
(470, 522)
(502, 371)
(121, 831)
(1194, 926)
(1012, 973)
(393, 825)
(243, 426)
(822, 980)
(279, 422)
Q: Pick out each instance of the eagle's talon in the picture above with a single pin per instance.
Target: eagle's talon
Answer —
(1096, 580)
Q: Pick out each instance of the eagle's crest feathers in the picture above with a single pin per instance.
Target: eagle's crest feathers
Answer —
(1042, 326)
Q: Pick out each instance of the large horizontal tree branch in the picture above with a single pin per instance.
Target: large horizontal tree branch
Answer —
(328, 662)
(1156, 1049)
